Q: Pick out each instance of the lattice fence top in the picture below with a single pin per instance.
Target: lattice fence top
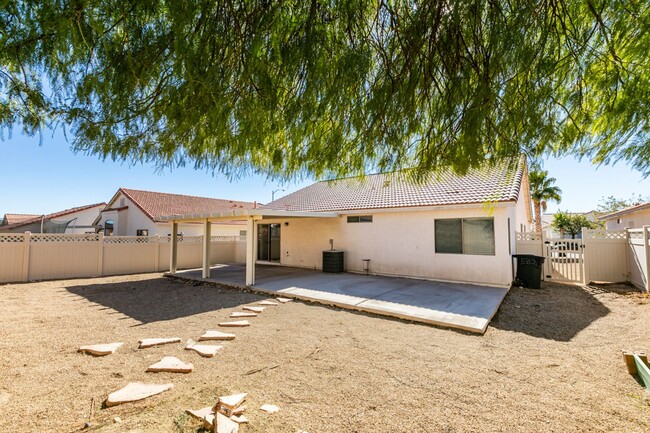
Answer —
(51, 238)
(606, 234)
(9, 238)
(528, 236)
(130, 239)
(233, 238)
(190, 239)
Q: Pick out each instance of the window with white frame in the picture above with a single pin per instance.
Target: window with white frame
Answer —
(464, 236)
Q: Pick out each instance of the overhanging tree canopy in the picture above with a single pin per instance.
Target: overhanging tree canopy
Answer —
(331, 88)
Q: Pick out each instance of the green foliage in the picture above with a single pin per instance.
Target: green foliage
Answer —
(572, 224)
(612, 204)
(542, 189)
(331, 88)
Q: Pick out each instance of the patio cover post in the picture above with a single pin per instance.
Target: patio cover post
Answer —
(173, 249)
(207, 235)
(250, 251)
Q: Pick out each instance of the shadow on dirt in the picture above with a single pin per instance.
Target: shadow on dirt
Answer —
(161, 298)
(555, 312)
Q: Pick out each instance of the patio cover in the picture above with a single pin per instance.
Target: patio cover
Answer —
(248, 215)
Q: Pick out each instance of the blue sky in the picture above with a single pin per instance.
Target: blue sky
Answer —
(45, 177)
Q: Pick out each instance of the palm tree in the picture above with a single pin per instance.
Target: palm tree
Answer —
(542, 190)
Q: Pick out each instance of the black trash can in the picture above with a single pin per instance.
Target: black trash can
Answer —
(529, 270)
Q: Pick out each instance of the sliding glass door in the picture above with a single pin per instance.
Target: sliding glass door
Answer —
(268, 242)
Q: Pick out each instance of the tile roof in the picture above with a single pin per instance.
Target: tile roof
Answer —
(37, 218)
(158, 204)
(497, 183)
(627, 210)
(14, 218)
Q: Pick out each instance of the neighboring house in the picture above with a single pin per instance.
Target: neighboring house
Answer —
(446, 228)
(551, 233)
(629, 218)
(14, 218)
(71, 221)
(137, 213)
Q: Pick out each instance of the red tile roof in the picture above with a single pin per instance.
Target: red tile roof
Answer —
(158, 204)
(14, 218)
(37, 218)
(498, 183)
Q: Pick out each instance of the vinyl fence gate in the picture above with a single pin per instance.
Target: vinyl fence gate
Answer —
(564, 260)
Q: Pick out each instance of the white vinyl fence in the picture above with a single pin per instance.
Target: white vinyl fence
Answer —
(601, 256)
(28, 257)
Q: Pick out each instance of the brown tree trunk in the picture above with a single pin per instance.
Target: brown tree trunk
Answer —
(538, 216)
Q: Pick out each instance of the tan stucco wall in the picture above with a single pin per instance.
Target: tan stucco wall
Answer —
(400, 244)
(632, 220)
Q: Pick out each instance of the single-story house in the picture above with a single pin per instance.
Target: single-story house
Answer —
(132, 212)
(629, 218)
(448, 227)
(77, 220)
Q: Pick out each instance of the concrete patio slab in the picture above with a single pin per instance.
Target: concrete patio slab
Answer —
(464, 306)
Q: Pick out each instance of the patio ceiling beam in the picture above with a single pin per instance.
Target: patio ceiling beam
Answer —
(245, 214)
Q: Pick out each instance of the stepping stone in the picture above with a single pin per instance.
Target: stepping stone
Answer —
(269, 408)
(206, 415)
(204, 350)
(216, 335)
(268, 303)
(150, 342)
(232, 401)
(136, 391)
(241, 419)
(243, 314)
(171, 364)
(100, 349)
(284, 300)
(225, 424)
(238, 323)
(254, 309)
(238, 410)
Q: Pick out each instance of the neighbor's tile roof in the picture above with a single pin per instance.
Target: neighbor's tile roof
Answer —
(627, 210)
(14, 218)
(37, 218)
(158, 204)
(497, 183)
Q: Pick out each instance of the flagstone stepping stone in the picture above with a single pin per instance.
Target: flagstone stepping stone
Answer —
(267, 302)
(136, 391)
(204, 350)
(100, 349)
(241, 419)
(269, 408)
(284, 300)
(243, 314)
(171, 364)
(216, 335)
(238, 323)
(206, 415)
(232, 401)
(225, 424)
(254, 309)
(150, 342)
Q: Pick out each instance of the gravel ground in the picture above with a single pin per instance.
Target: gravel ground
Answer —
(550, 361)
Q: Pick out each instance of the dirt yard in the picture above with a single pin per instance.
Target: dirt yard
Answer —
(549, 362)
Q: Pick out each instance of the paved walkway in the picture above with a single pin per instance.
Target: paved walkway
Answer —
(455, 305)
